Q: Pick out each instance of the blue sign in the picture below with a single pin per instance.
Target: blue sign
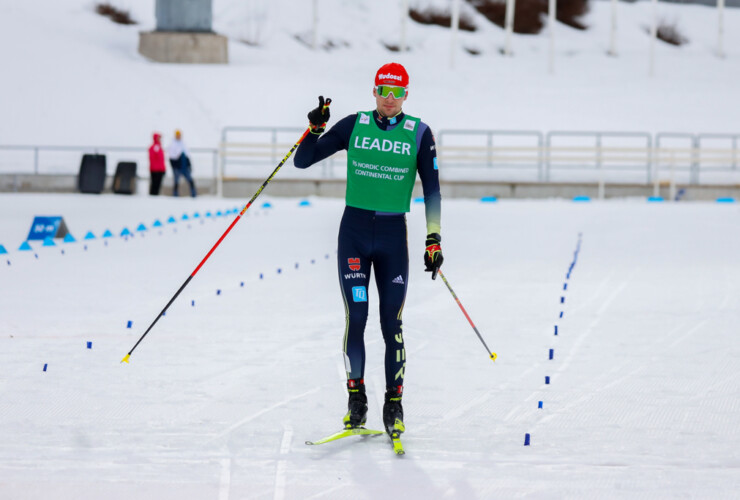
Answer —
(47, 227)
(359, 294)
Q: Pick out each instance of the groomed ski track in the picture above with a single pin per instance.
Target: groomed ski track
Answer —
(219, 398)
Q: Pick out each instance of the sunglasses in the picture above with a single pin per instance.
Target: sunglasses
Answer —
(386, 90)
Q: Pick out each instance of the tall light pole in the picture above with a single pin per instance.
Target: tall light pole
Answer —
(404, 20)
(510, 5)
(721, 33)
(613, 31)
(455, 22)
(315, 36)
(653, 37)
(552, 6)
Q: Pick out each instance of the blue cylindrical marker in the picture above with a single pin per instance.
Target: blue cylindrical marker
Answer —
(526, 440)
(562, 300)
(241, 284)
(262, 276)
(279, 270)
(552, 353)
(192, 303)
(547, 380)
(45, 365)
(218, 292)
(561, 314)
(539, 404)
(556, 329)
(565, 286)
(129, 324)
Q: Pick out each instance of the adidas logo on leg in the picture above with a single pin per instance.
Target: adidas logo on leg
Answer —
(398, 280)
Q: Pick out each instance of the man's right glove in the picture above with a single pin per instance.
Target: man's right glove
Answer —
(318, 117)
(433, 254)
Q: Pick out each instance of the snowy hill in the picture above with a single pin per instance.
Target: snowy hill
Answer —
(73, 77)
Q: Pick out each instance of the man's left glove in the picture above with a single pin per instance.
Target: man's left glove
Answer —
(318, 116)
(433, 254)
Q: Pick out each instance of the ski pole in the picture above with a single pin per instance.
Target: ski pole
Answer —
(492, 355)
(233, 223)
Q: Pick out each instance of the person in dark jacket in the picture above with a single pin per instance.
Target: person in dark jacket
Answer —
(386, 149)
(180, 162)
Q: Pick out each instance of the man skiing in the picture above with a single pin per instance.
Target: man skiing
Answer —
(385, 150)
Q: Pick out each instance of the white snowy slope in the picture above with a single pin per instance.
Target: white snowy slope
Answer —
(219, 398)
(70, 76)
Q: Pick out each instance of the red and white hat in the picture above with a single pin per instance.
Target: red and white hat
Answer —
(392, 74)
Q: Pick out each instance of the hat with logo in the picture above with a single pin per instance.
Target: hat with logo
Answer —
(392, 74)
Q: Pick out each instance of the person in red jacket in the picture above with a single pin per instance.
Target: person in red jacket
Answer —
(156, 164)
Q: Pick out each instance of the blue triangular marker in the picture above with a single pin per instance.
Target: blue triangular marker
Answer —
(141, 227)
(185, 217)
(208, 214)
(267, 204)
(581, 198)
(655, 199)
(125, 232)
(196, 215)
(89, 236)
(2, 250)
(171, 220)
(489, 199)
(418, 200)
(107, 234)
(49, 242)
(304, 203)
(69, 238)
(219, 213)
(157, 223)
(725, 200)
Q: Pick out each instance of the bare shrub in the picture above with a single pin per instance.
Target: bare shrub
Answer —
(669, 33)
(440, 18)
(327, 45)
(528, 14)
(116, 15)
(569, 11)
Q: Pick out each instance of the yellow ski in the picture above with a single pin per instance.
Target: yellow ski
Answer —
(357, 431)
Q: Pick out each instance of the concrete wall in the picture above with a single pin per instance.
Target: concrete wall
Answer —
(184, 48)
(244, 189)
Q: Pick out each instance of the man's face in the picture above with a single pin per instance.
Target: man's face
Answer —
(388, 106)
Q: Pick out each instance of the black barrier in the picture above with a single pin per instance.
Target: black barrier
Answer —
(124, 181)
(92, 174)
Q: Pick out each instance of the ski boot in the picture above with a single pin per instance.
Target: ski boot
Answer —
(357, 405)
(393, 411)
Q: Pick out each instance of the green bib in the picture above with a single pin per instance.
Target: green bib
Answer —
(381, 164)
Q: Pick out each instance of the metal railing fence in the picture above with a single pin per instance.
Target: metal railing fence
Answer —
(478, 155)
(65, 160)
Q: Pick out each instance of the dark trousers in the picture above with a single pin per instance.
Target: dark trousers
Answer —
(182, 171)
(156, 182)
(368, 240)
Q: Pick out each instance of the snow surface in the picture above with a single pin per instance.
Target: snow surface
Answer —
(73, 77)
(219, 398)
